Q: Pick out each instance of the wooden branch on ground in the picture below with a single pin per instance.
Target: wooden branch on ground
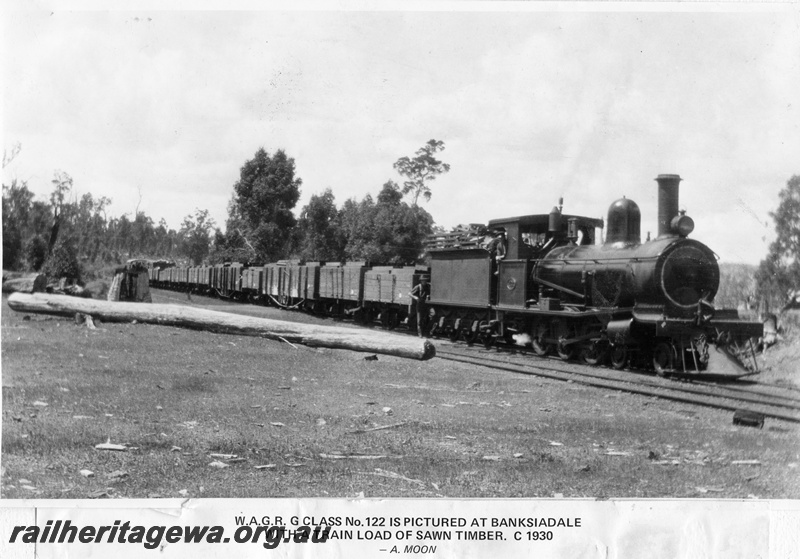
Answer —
(30, 283)
(381, 428)
(356, 339)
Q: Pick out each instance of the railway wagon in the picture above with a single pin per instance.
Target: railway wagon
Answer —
(226, 279)
(178, 277)
(313, 301)
(252, 282)
(353, 281)
(387, 293)
(341, 287)
(273, 274)
(204, 279)
(293, 285)
(198, 279)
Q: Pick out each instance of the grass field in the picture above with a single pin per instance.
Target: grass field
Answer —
(210, 415)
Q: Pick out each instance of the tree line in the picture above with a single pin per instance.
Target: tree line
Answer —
(778, 276)
(68, 237)
(64, 236)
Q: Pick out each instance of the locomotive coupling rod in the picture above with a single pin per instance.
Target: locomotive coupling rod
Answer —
(570, 341)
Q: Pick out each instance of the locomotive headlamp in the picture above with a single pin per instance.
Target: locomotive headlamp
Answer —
(682, 225)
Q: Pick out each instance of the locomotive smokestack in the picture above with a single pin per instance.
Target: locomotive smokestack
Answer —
(668, 186)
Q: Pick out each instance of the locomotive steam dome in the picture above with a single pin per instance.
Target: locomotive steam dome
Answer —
(624, 223)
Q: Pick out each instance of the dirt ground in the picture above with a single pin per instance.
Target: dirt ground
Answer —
(199, 414)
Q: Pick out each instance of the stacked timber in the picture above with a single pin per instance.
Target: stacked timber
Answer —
(461, 237)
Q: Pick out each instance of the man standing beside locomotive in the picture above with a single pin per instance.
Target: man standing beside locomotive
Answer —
(497, 249)
(420, 294)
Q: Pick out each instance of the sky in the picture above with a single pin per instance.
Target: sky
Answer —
(158, 107)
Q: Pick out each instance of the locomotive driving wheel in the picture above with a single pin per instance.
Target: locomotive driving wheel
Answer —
(619, 356)
(664, 356)
(540, 348)
(594, 354)
(565, 352)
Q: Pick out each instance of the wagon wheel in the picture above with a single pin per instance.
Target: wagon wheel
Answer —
(454, 335)
(664, 359)
(619, 356)
(394, 319)
(565, 352)
(488, 340)
(369, 316)
(594, 354)
(363, 316)
(471, 336)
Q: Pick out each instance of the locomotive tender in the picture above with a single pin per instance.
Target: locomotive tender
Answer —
(557, 288)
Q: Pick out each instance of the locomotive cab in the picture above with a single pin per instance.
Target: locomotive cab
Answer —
(529, 238)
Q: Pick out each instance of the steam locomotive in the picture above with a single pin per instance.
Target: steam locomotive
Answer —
(623, 300)
(555, 288)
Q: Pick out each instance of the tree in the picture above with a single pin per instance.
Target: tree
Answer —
(88, 226)
(62, 186)
(231, 247)
(261, 208)
(421, 170)
(17, 206)
(165, 241)
(779, 272)
(63, 263)
(320, 235)
(195, 236)
(387, 232)
(36, 252)
(143, 235)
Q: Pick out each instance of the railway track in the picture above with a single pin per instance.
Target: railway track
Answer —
(772, 402)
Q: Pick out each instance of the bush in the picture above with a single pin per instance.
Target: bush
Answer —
(36, 252)
(63, 263)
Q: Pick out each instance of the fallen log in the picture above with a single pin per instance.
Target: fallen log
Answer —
(30, 283)
(191, 317)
